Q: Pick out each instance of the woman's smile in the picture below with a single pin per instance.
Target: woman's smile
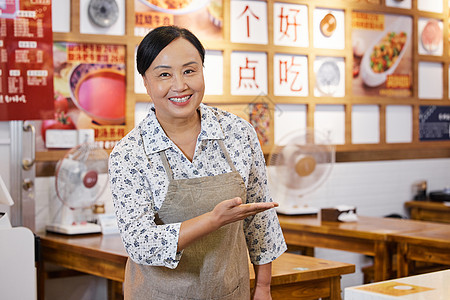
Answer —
(182, 100)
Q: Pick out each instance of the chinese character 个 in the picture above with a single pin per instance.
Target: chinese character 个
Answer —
(250, 13)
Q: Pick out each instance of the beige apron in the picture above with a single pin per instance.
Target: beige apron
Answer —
(214, 267)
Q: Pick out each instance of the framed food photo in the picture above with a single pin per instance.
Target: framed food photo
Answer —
(382, 55)
(89, 92)
(431, 36)
(203, 17)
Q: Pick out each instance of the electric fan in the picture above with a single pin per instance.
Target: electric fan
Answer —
(80, 180)
(298, 164)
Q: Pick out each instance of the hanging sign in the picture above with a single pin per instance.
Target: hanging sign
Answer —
(434, 123)
(26, 72)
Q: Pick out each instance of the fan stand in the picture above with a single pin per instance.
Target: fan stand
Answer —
(70, 226)
(292, 208)
(74, 229)
(296, 210)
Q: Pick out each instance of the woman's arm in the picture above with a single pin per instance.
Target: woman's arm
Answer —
(227, 211)
(263, 277)
(145, 242)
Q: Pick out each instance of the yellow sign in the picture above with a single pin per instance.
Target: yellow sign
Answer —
(362, 20)
(393, 288)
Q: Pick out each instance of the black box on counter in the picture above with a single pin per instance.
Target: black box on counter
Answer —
(342, 213)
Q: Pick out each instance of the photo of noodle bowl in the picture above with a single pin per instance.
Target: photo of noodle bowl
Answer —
(382, 57)
(175, 7)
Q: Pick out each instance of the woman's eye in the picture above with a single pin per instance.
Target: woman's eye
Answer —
(164, 75)
(189, 71)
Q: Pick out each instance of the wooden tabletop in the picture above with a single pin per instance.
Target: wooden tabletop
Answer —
(429, 211)
(429, 205)
(436, 237)
(289, 268)
(430, 246)
(373, 228)
(368, 235)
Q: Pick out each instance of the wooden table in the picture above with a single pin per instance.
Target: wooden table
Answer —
(429, 211)
(431, 246)
(369, 236)
(433, 286)
(293, 276)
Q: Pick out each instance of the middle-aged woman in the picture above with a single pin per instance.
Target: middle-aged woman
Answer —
(189, 187)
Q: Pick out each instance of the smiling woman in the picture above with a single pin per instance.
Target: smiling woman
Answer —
(176, 85)
(189, 186)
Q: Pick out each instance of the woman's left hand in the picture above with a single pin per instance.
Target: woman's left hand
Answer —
(261, 293)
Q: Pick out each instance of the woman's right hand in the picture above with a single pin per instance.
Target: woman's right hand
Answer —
(232, 210)
(226, 212)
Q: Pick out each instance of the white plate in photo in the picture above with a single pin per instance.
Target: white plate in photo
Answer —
(328, 77)
(431, 36)
(186, 6)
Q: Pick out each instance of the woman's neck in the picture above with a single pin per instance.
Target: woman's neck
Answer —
(183, 132)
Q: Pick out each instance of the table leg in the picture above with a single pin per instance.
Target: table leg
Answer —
(402, 260)
(40, 272)
(115, 291)
(335, 288)
(382, 261)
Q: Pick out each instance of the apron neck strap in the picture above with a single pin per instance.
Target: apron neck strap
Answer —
(169, 172)
(227, 156)
(166, 165)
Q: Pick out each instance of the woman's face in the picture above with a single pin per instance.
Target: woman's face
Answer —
(175, 81)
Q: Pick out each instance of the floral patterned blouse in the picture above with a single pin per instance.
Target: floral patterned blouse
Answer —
(139, 184)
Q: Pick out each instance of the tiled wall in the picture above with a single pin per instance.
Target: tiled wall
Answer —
(379, 188)
(375, 188)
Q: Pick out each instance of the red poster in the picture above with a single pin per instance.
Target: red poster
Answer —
(90, 92)
(26, 73)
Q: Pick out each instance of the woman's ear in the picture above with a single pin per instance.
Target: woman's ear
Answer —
(145, 83)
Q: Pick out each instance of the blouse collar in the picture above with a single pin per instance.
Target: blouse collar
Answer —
(156, 140)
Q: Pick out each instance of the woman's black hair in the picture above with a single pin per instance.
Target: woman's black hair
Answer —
(157, 39)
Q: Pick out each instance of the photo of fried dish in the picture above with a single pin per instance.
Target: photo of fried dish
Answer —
(382, 57)
(171, 4)
(387, 51)
(176, 7)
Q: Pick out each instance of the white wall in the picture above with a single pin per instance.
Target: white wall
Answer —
(5, 143)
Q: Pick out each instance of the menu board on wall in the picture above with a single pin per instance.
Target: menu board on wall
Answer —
(90, 91)
(203, 17)
(26, 72)
(382, 51)
(434, 123)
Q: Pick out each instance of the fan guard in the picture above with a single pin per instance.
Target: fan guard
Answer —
(77, 180)
(299, 164)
